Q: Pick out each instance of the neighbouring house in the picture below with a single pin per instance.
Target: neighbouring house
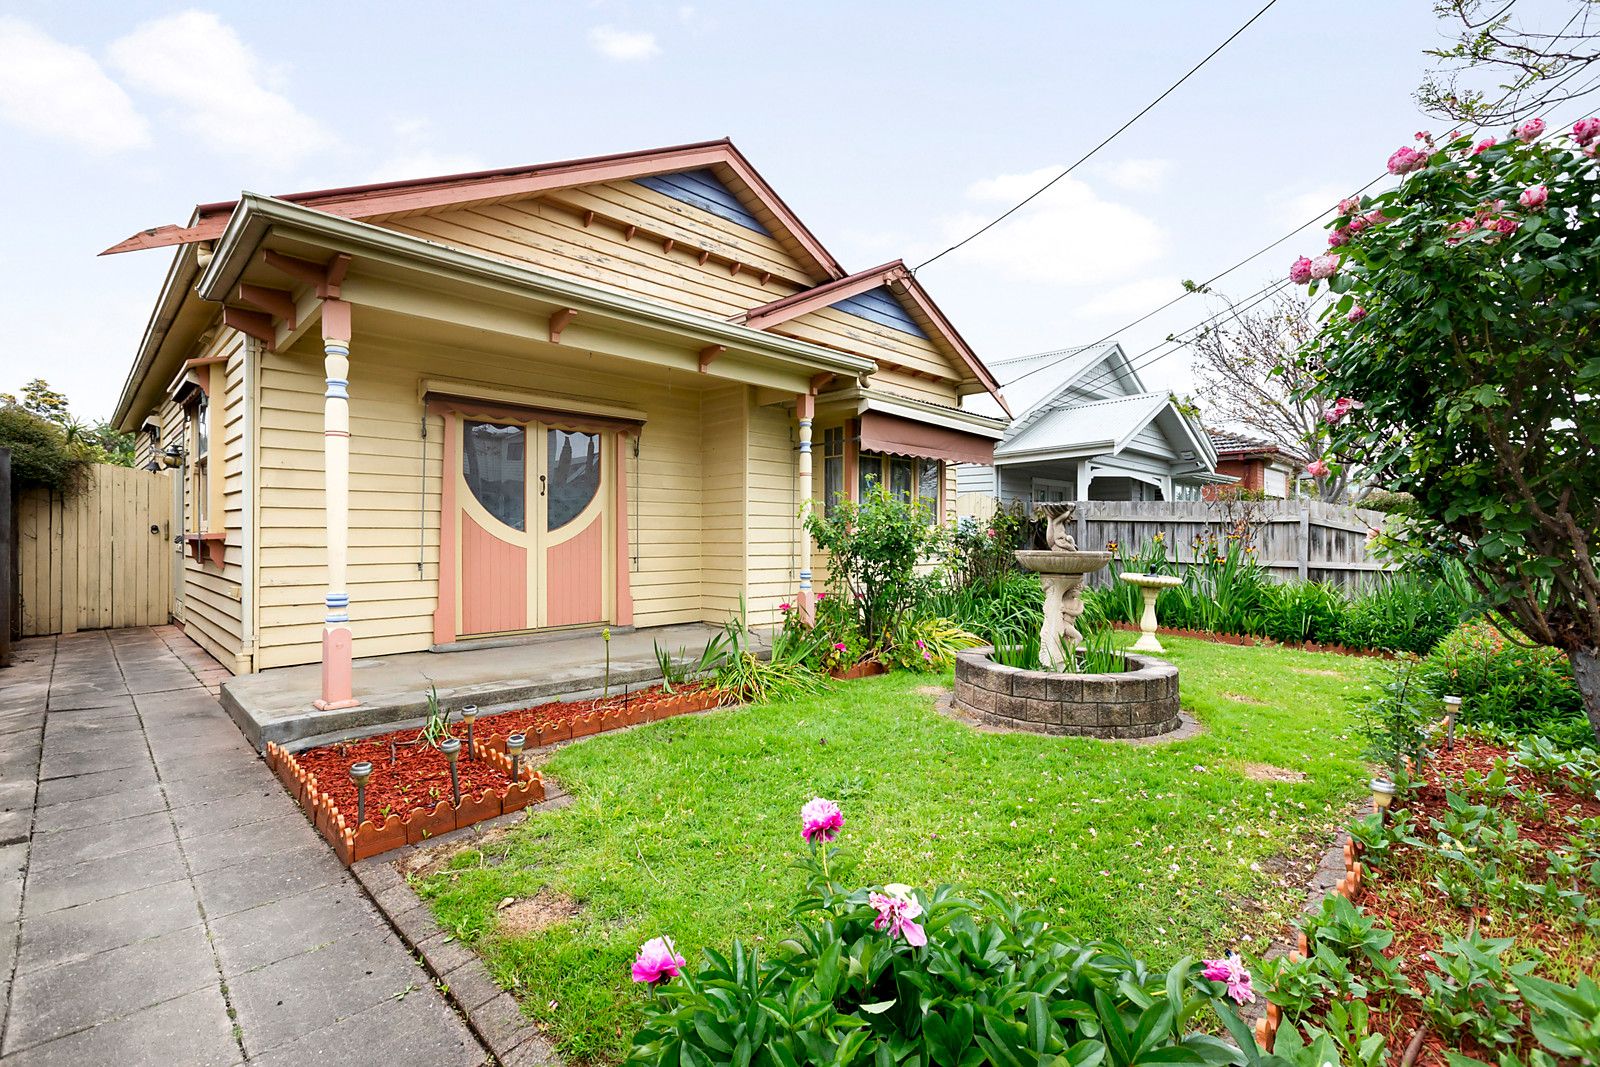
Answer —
(1086, 428)
(1260, 466)
(409, 415)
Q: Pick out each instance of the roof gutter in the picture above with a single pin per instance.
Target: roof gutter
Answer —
(257, 216)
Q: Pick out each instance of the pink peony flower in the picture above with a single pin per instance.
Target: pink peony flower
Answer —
(1356, 314)
(1349, 206)
(820, 818)
(1344, 405)
(1534, 196)
(1230, 971)
(897, 909)
(1407, 159)
(1324, 266)
(1317, 468)
(1300, 271)
(1530, 131)
(657, 962)
(1584, 131)
(1483, 146)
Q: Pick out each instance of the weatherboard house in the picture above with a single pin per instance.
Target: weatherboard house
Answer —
(603, 391)
(1086, 428)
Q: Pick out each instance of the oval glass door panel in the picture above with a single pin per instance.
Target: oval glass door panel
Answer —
(573, 459)
(494, 461)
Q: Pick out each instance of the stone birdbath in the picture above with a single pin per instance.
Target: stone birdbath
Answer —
(1150, 585)
(1062, 567)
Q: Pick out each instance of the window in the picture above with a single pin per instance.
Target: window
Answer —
(574, 466)
(492, 459)
(832, 468)
(909, 480)
(200, 467)
(1046, 491)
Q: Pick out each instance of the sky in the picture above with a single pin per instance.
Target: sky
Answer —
(892, 129)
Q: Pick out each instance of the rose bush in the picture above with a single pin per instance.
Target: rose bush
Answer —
(1475, 360)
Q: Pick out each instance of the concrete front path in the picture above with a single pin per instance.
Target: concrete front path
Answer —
(162, 900)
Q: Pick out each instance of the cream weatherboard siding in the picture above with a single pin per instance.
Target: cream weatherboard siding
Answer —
(723, 450)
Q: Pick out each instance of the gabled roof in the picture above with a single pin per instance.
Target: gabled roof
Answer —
(386, 199)
(1230, 445)
(1035, 382)
(905, 287)
(1107, 424)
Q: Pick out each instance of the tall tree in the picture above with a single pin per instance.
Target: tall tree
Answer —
(1248, 375)
(1534, 69)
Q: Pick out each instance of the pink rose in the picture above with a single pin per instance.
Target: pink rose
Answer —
(1357, 313)
(820, 819)
(1344, 405)
(1317, 468)
(657, 962)
(1504, 227)
(1534, 196)
(1483, 146)
(1530, 131)
(1300, 271)
(1349, 206)
(1462, 226)
(785, 608)
(1584, 131)
(1407, 159)
(1376, 216)
(1324, 266)
(1339, 236)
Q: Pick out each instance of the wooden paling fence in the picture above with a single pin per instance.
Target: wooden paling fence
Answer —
(98, 559)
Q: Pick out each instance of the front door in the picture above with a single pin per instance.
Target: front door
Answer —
(532, 526)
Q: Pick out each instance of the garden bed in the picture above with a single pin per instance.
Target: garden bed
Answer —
(1450, 867)
(409, 797)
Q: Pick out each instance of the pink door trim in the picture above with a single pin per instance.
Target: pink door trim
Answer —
(444, 614)
(494, 581)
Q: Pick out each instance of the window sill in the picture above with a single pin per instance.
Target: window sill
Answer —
(206, 547)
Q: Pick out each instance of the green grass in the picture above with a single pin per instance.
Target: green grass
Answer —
(690, 827)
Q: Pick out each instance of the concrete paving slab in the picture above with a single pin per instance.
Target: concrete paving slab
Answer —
(64, 764)
(275, 705)
(391, 1032)
(106, 808)
(69, 934)
(105, 876)
(50, 1003)
(67, 847)
(304, 993)
(288, 926)
(192, 1030)
(254, 882)
(219, 785)
(178, 767)
(98, 783)
(234, 812)
(264, 839)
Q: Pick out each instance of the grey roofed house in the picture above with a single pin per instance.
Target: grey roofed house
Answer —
(1086, 428)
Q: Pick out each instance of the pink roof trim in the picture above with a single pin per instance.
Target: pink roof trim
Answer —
(418, 194)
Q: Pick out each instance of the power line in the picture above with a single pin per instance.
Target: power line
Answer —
(1089, 154)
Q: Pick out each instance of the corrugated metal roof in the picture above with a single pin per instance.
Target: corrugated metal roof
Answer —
(1081, 425)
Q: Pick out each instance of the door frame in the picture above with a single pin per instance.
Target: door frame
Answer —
(621, 434)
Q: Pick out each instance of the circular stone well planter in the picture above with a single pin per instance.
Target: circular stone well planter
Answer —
(1139, 702)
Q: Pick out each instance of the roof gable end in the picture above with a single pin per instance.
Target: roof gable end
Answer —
(704, 190)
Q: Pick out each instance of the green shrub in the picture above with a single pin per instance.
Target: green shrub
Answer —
(1303, 611)
(41, 454)
(1404, 612)
(875, 550)
(1523, 690)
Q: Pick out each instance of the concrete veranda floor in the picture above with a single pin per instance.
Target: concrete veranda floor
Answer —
(275, 704)
(163, 901)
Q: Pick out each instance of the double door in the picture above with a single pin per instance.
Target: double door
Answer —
(532, 526)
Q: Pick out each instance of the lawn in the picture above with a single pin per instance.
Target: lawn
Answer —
(689, 827)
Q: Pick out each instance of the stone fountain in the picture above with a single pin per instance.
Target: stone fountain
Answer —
(1141, 701)
(1062, 567)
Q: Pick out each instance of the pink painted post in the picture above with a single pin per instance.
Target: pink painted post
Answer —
(624, 613)
(337, 682)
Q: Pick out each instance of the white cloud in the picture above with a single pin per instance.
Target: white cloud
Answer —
(53, 89)
(623, 45)
(219, 88)
(1138, 175)
(1296, 209)
(1068, 236)
(1132, 299)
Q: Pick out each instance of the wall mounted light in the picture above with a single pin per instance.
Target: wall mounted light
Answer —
(359, 773)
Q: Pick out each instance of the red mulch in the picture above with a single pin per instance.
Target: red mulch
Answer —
(416, 777)
(1417, 927)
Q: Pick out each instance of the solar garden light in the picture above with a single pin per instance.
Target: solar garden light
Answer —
(1383, 792)
(451, 747)
(1452, 710)
(514, 745)
(359, 773)
(469, 715)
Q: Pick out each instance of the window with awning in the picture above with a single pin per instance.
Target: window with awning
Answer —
(895, 436)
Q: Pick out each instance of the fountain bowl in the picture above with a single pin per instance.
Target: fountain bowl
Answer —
(1151, 581)
(1051, 561)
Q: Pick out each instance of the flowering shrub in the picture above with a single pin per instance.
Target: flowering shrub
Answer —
(1508, 685)
(1475, 365)
(895, 975)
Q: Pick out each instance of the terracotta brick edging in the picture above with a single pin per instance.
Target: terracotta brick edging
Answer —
(1349, 887)
(491, 1013)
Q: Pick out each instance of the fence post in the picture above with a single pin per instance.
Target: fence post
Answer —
(1303, 546)
(1083, 528)
(8, 558)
